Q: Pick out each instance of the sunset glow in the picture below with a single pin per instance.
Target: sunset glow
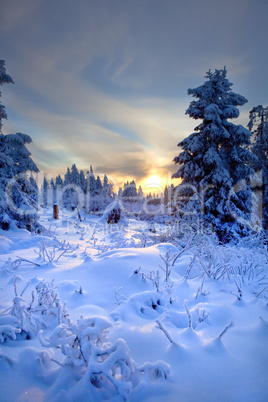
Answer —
(153, 184)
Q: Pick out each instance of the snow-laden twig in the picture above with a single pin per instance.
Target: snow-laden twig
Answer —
(265, 288)
(47, 250)
(231, 324)
(200, 290)
(163, 329)
(190, 266)
(118, 296)
(25, 260)
(167, 258)
(176, 256)
(188, 313)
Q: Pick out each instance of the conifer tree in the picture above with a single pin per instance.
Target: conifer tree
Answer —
(58, 181)
(67, 177)
(82, 180)
(215, 159)
(35, 191)
(107, 188)
(258, 125)
(166, 195)
(91, 182)
(44, 192)
(4, 79)
(67, 190)
(140, 192)
(98, 186)
(16, 202)
(75, 177)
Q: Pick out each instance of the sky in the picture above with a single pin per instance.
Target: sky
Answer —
(104, 82)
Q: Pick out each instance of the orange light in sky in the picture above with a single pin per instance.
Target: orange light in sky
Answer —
(153, 184)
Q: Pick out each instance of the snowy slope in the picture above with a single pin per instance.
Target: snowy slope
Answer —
(204, 331)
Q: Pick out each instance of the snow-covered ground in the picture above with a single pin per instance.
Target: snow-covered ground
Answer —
(193, 317)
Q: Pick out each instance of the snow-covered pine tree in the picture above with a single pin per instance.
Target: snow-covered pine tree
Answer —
(215, 160)
(35, 191)
(258, 126)
(4, 79)
(166, 195)
(67, 177)
(72, 195)
(98, 186)
(140, 192)
(76, 186)
(52, 191)
(130, 191)
(44, 193)
(67, 193)
(16, 189)
(16, 203)
(58, 191)
(75, 177)
(107, 189)
(59, 181)
(82, 180)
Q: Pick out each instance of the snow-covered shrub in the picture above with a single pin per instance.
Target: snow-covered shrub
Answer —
(50, 250)
(112, 213)
(48, 302)
(25, 324)
(24, 320)
(155, 371)
(96, 362)
(9, 328)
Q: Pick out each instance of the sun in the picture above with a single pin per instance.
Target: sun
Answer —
(153, 180)
(153, 184)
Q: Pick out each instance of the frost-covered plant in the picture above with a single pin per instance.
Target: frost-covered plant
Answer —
(189, 315)
(48, 250)
(80, 291)
(25, 318)
(119, 297)
(104, 366)
(9, 328)
(238, 283)
(163, 329)
(11, 266)
(199, 315)
(200, 290)
(27, 323)
(48, 301)
(143, 238)
(168, 259)
(154, 277)
(155, 371)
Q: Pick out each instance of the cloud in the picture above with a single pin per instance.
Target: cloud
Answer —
(105, 83)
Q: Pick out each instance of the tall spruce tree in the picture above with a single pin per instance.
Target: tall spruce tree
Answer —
(4, 79)
(258, 126)
(215, 160)
(16, 202)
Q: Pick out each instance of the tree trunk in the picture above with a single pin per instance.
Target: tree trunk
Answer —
(55, 211)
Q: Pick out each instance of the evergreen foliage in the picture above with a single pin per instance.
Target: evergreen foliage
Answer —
(16, 191)
(4, 79)
(215, 161)
(130, 191)
(258, 125)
